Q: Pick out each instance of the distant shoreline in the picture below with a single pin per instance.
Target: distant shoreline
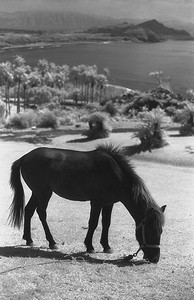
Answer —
(59, 44)
(127, 68)
(76, 42)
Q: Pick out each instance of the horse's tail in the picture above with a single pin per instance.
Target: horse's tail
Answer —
(17, 205)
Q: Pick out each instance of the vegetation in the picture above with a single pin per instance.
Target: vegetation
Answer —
(2, 110)
(151, 31)
(186, 118)
(150, 132)
(162, 80)
(49, 89)
(98, 126)
(48, 81)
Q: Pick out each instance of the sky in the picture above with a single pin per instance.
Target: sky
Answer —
(182, 10)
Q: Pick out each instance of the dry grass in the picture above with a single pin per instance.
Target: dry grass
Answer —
(70, 273)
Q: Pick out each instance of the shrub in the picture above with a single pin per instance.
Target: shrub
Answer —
(66, 120)
(39, 95)
(22, 120)
(47, 119)
(190, 95)
(186, 117)
(162, 80)
(93, 107)
(110, 108)
(149, 132)
(98, 126)
(170, 111)
(45, 94)
(2, 110)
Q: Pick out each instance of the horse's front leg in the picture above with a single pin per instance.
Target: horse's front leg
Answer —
(93, 223)
(106, 219)
(29, 211)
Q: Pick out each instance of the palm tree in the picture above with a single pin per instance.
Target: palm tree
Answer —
(20, 75)
(61, 75)
(101, 83)
(106, 72)
(6, 75)
(19, 78)
(43, 68)
(74, 75)
(34, 78)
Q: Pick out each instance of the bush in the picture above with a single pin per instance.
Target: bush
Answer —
(186, 117)
(110, 108)
(93, 107)
(22, 120)
(2, 110)
(149, 132)
(45, 94)
(39, 95)
(98, 126)
(47, 119)
(170, 111)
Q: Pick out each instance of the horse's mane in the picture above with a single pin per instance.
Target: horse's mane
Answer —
(140, 191)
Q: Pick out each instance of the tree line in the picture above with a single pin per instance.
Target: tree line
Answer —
(86, 84)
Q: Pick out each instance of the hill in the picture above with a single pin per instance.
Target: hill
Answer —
(165, 32)
(51, 21)
(150, 31)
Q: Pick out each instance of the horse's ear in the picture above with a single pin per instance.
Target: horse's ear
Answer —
(163, 208)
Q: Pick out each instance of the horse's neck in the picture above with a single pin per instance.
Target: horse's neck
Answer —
(137, 210)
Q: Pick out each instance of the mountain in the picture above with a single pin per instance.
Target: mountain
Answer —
(188, 26)
(164, 32)
(51, 21)
(149, 31)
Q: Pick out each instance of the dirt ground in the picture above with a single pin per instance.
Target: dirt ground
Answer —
(168, 173)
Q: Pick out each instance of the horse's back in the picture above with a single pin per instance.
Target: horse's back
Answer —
(76, 175)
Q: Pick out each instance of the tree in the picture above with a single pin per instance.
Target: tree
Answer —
(101, 83)
(20, 75)
(6, 75)
(61, 75)
(74, 75)
(43, 68)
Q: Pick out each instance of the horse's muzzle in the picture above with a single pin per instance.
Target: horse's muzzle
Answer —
(152, 255)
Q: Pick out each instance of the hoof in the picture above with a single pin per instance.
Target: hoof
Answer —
(30, 244)
(108, 251)
(53, 247)
(91, 251)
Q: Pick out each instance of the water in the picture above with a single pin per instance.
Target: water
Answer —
(129, 63)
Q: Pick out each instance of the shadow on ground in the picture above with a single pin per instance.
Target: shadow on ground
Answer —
(35, 136)
(55, 255)
(45, 136)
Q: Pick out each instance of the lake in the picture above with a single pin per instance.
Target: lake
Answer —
(129, 63)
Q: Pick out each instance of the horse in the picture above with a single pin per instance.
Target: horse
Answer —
(102, 176)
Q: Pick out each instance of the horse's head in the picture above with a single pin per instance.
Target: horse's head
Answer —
(148, 234)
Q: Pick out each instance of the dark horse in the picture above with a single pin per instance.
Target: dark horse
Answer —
(102, 176)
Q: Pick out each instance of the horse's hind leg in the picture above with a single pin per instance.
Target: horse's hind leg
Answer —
(106, 219)
(93, 223)
(29, 211)
(41, 210)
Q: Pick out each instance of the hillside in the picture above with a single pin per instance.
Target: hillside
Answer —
(51, 21)
(150, 31)
(164, 32)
